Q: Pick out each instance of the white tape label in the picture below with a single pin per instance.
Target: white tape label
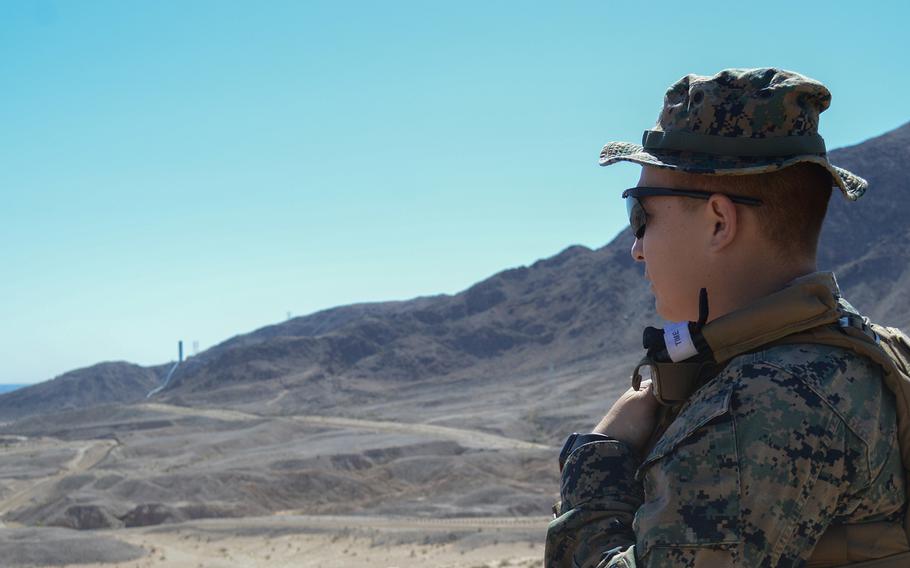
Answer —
(679, 342)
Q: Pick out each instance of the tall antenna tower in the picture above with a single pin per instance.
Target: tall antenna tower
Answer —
(195, 347)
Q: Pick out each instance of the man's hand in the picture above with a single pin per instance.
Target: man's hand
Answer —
(632, 418)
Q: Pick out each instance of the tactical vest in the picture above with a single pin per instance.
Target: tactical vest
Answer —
(809, 311)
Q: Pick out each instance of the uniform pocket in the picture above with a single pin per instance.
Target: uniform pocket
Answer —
(691, 480)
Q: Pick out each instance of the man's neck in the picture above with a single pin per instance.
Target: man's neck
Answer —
(736, 288)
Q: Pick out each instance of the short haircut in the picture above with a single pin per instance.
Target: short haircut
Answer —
(794, 203)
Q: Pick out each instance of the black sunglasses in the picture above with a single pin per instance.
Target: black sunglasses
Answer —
(638, 218)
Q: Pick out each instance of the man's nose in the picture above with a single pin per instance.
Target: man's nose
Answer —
(638, 254)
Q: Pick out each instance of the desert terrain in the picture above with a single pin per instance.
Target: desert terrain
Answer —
(154, 484)
(395, 434)
(288, 540)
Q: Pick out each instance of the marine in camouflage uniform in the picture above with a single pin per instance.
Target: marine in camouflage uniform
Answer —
(785, 442)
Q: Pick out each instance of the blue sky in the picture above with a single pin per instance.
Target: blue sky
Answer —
(193, 170)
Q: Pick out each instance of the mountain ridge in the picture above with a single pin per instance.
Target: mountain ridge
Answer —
(557, 311)
(388, 408)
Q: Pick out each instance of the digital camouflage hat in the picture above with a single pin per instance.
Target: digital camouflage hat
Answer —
(738, 122)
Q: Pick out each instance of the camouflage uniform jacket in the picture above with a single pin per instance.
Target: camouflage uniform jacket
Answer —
(782, 444)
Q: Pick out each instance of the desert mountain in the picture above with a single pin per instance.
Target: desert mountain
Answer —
(579, 308)
(866, 242)
(104, 383)
(574, 308)
(443, 406)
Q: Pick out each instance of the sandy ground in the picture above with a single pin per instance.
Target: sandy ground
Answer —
(390, 494)
(336, 542)
(87, 454)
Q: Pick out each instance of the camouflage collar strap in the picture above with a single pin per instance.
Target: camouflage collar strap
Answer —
(684, 141)
(807, 303)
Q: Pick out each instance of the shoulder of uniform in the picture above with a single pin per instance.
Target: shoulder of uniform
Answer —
(798, 354)
(845, 382)
(814, 363)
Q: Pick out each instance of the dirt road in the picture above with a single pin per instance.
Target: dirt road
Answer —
(465, 437)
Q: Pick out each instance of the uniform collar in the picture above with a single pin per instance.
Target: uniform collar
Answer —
(825, 278)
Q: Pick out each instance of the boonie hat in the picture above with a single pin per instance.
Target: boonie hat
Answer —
(738, 122)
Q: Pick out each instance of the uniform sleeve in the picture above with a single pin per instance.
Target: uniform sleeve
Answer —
(752, 472)
(793, 454)
(747, 475)
(599, 498)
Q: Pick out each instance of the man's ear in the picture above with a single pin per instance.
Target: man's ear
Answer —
(723, 221)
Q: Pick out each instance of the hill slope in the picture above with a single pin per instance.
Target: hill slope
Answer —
(103, 383)
(434, 407)
(580, 309)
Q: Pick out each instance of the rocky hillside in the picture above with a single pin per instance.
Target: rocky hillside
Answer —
(103, 383)
(579, 309)
(866, 242)
(573, 307)
(444, 406)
